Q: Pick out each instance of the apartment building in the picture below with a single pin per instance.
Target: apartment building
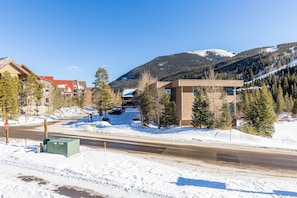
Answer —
(182, 92)
(72, 88)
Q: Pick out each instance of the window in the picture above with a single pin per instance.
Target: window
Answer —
(195, 89)
(173, 94)
(231, 105)
(168, 91)
(229, 91)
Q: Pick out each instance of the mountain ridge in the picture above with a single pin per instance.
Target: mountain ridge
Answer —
(188, 65)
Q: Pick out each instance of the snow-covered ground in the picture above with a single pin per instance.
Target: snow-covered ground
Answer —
(106, 173)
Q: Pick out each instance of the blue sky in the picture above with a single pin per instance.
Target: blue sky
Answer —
(71, 39)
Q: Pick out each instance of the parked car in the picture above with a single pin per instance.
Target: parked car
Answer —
(136, 120)
(116, 111)
(106, 119)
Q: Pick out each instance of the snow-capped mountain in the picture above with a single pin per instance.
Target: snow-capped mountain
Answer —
(193, 64)
(214, 54)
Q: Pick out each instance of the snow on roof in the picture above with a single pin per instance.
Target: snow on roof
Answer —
(62, 86)
(68, 89)
(128, 92)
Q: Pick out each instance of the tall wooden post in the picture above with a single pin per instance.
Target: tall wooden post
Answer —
(6, 131)
(45, 129)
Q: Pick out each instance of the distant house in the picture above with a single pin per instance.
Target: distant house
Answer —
(127, 97)
(182, 92)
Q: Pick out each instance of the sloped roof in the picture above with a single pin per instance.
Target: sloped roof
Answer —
(128, 93)
(49, 78)
(6, 60)
(67, 85)
(9, 61)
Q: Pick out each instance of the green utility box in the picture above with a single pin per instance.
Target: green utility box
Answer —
(64, 146)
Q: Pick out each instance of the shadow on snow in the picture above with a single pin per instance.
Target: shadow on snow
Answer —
(222, 186)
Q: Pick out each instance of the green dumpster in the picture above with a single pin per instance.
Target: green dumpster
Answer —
(64, 146)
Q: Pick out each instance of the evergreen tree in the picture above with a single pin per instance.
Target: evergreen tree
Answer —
(274, 87)
(294, 92)
(173, 114)
(168, 115)
(267, 117)
(146, 105)
(101, 76)
(225, 118)
(106, 100)
(259, 112)
(9, 96)
(288, 102)
(294, 109)
(101, 92)
(201, 115)
(280, 102)
(285, 86)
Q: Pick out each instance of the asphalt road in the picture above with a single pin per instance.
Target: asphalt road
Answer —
(244, 157)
